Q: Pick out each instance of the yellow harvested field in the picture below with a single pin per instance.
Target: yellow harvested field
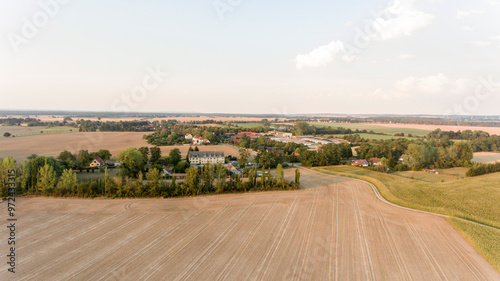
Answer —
(335, 228)
(52, 145)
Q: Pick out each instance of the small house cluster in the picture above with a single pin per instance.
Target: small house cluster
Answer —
(196, 140)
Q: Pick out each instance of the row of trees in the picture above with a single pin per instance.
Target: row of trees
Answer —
(482, 169)
(328, 154)
(44, 175)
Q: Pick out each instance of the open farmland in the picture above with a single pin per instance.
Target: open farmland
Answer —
(457, 171)
(333, 229)
(378, 128)
(423, 176)
(486, 157)
(52, 145)
(18, 131)
(375, 137)
(248, 125)
(490, 130)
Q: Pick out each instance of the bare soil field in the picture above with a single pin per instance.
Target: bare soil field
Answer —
(490, 130)
(52, 145)
(335, 228)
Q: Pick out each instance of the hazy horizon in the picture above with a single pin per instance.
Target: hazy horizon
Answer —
(251, 57)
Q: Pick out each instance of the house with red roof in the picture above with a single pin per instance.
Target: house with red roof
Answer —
(361, 162)
(97, 162)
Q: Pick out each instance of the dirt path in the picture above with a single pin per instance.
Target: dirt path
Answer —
(334, 229)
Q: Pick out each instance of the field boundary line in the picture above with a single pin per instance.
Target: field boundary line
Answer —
(462, 258)
(381, 198)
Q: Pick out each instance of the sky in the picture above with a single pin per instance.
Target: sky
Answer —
(437, 57)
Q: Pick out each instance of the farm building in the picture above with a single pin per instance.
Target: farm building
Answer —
(188, 136)
(431, 171)
(375, 161)
(204, 157)
(404, 158)
(167, 171)
(97, 162)
(234, 170)
(361, 162)
(237, 137)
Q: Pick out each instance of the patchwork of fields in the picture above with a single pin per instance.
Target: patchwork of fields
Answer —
(333, 229)
(18, 131)
(376, 128)
(52, 145)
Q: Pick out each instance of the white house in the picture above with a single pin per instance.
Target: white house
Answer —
(199, 140)
(188, 136)
(204, 157)
(97, 162)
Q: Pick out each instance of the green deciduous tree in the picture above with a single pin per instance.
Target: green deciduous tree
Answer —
(67, 182)
(46, 179)
(155, 154)
(174, 156)
(280, 178)
(132, 161)
(243, 159)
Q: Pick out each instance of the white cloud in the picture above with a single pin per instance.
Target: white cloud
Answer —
(406, 56)
(495, 38)
(494, 3)
(403, 19)
(399, 19)
(324, 55)
(434, 84)
(466, 28)
(481, 43)
(461, 15)
(413, 86)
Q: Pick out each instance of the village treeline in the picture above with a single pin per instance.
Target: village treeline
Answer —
(142, 170)
(141, 173)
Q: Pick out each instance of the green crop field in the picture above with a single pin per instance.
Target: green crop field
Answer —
(486, 240)
(375, 137)
(475, 199)
(19, 131)
(84, 175)
(375, 128)
(247, 125)
(427, 177)
(458, 171)
(213, 125)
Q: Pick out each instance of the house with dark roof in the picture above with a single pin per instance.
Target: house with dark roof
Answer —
(361, 162)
